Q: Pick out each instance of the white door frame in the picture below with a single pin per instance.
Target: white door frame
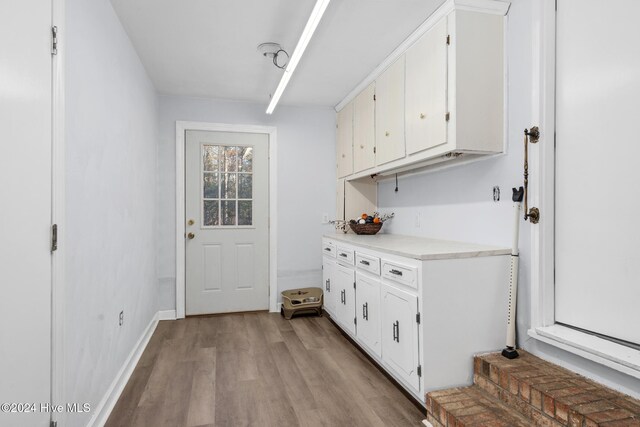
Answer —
(542, 194)
(58, 177)
(181, 128)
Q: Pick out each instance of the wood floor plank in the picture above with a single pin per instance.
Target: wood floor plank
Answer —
(257, 369)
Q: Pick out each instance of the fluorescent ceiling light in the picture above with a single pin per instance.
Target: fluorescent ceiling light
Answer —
(312, 24)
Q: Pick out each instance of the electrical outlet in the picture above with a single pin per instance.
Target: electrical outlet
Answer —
(121, 318)
(325, 218)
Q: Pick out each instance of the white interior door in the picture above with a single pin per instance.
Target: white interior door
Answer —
(598, 105)
(227, 214)
(25, 210)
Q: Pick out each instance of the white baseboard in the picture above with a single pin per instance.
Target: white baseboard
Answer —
(104, 408)
(167, 315)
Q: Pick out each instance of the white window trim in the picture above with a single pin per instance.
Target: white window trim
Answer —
(181, 128)
(542, 168)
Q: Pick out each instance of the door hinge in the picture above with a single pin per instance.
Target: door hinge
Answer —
(355, 320)
(374, 150)
(54, 237)
(354, 285)
(53, 424)
(418, 318)
(54, 40)
(448, 39)
(419, 370)
(374, 96)
(447, 116)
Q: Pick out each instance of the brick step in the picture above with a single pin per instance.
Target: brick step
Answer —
(549, 395)
(470, 406)
(529, 391)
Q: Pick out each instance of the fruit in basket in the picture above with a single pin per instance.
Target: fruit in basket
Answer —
(376, 220)
(362, 221)
(364, 216)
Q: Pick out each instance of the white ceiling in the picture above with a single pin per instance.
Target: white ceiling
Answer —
(208, 47)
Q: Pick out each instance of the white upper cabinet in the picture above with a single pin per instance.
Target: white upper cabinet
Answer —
(426, 90)
(344, 143)
(364, 146)
(440, 96)
(390, 114)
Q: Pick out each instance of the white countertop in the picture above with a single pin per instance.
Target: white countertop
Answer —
(420, 248)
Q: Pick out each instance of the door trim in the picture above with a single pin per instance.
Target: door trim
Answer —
(181, 128)
(58, 197)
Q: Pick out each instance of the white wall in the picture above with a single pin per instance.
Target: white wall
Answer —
(306, 183)
(457, 203)
(111, 199)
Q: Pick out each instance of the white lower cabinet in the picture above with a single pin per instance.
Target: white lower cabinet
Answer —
(328, 266)
(344, 285)
(368, 312)
(405, 311)
(400, 350)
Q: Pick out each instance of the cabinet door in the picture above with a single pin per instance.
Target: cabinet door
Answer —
(345, 310)
(368, 312)
(344, 144)
(390, 114)
(364, 155)
(329, 292)
(400, 334)
(426, 90)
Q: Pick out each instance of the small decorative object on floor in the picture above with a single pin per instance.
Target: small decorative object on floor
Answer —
(296, 301)
(369, 224)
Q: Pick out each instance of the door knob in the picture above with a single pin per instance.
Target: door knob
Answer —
(422, 115)
(191, 222)
(191, 235)
(386, 133)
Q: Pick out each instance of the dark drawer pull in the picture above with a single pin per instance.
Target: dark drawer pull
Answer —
(327, 249)
(365, 311)
(343, 255)
(396, 272)
(328, 285)
(365, 262)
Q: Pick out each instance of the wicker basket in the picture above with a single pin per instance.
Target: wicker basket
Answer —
(369, 228)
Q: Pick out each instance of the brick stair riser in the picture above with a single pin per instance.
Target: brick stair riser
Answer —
(552, 396)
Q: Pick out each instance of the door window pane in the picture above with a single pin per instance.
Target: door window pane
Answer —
(210, 157)
(210, 186)
(211, 213)
(230, 160)
(228, 212)
(245, 214)
(245, 182)
(246, 159)
(228, 186)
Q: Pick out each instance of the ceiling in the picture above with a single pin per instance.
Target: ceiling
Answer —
(208, 48)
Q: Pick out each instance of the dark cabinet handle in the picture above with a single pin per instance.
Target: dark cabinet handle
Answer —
(343, 255)
(365, 311)
(365, 262)
(327, 285)
(327, 249)
(343, 297)
(396, 272)
(396, 331)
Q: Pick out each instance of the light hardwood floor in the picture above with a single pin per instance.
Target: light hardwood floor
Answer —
(257, 369)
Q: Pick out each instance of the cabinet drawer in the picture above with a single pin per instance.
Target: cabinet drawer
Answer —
(344, 255)
(400, 273)
(329, 249)
(368, 263)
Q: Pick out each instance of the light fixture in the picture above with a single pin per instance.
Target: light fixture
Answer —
(312, 24)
